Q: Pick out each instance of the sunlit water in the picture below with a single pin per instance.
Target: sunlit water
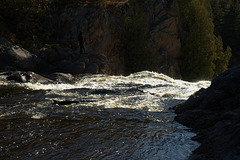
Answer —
(117, 117)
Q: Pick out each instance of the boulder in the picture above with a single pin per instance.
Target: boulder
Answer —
(77, 67)
(56, 54)
(27, 76)
(66, 60)
(214, 113)
(13, 55)
(97, 63)
(61, 77)
(92, 68)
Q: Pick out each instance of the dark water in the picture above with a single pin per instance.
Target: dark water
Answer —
(115, 117)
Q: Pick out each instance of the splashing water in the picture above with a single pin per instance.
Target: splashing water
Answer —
(115, 117)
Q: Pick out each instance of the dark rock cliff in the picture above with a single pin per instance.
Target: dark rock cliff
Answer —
(104, 30)
(214, 114)
(104, 27)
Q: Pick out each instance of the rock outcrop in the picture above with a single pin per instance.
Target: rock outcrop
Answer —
(104, 30)
(165, 34)
(214, 113)
(15, 58)
(32, 77)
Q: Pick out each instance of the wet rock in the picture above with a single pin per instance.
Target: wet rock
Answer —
(18, 77)
(92, 68)
(77, 68)
(64, 102)
(24, 77)
(81, 64)
(97, 63)
(71, 66)
(214, 114)
(61, 77)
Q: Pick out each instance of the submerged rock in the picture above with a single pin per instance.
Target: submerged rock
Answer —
(64, 102)
(215, 114)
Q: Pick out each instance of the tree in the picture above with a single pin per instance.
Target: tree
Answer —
(222, 58)
(199, 46)
(202, 52)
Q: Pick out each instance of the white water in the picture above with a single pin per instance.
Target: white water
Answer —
(157, 89)
(144, 96)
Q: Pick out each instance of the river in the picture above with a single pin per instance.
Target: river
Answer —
(96, 117)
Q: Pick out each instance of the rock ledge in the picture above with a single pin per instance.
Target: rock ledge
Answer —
(214, 113)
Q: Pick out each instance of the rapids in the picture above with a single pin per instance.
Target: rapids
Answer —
(116, 117)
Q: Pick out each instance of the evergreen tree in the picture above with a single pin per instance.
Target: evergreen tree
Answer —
(199, 46)
(222, 58)
(230, 27)
(202, 53)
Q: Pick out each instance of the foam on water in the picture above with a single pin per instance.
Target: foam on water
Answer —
(157, 84)
(157, 88)
(129, 115)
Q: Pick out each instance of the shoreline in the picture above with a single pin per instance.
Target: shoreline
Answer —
(213, 114)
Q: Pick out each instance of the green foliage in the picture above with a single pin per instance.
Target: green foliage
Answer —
(139, 55)
(26, 19)
(202, 51)
(198, 49)
(227, 24)
(222, 58)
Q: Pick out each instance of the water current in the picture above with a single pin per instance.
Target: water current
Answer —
(104, 117)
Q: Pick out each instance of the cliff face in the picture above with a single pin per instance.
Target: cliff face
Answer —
(165, 31)
(104, 30)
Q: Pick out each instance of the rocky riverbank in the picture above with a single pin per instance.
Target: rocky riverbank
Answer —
(214, 114)
(63, 60)
(104, 26)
